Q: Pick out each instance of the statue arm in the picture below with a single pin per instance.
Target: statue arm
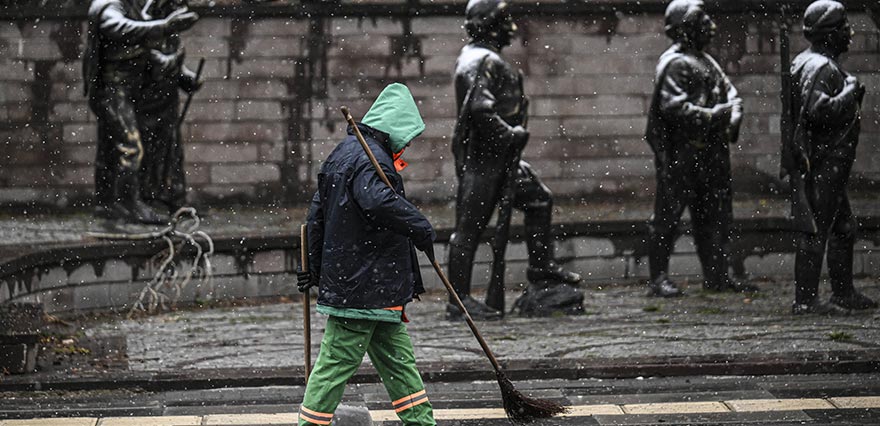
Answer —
(736, 111)
(675, 101)
(115, 25)
(485, 114)
(825, 104)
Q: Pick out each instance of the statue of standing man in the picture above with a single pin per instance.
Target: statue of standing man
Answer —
(826, 105)
(114, 66)
(162, 177)
(489, 139)
(695, 114)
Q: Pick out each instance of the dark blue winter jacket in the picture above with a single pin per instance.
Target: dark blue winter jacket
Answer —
(361, 233)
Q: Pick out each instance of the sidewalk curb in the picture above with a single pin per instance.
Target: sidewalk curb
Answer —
(843, 362)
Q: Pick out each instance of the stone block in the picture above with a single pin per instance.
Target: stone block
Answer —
(266, 262)
(272, 46)
(16, 70)
(588, 105)
(251, 173)
(221, 152)
(37, 50)
(14, 92)
(69, 112)
(208, 27)
(258, 110)
(685, 265)
(80, 133)
(262, 68)
(345, 27)
(152, 421)
(122, 295)
(280, 27)
(91, 296)
(19, 195)
(235, 132)
(211, 111)
(81, 275)
(235, 287)
(602, 126)
(204, 47)
(254, 419)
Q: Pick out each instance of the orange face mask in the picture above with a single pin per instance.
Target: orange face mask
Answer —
(399, 164)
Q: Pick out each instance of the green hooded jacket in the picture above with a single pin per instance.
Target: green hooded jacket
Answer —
(395, 113)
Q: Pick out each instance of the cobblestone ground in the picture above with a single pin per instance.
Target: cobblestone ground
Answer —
(619, 322)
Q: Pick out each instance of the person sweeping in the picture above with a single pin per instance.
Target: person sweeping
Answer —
(362, 237)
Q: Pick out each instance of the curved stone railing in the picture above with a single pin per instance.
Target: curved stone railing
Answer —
(106, 276)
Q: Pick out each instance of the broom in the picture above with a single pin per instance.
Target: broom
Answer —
(519, 408)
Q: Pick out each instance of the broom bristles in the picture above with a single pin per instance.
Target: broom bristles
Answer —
(521, 409)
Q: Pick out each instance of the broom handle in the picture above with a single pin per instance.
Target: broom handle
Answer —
(449, 288)
(360, 138)
(307, 316)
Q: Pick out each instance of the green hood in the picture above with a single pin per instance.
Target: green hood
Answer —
(396, 114)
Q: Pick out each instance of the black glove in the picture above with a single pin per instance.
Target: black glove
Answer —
(427, 247)
(305, 280)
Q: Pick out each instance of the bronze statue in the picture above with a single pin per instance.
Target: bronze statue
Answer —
(488, 141)
(114, 65)
(695, 114)
(162, 178)
(826, 106)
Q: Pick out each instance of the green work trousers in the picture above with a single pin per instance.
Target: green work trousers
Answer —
(342, 350)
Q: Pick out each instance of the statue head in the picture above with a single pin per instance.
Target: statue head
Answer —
(825, 25)
(490, 22)
(687, 23)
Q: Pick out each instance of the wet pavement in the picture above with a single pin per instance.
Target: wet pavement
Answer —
(620, 322)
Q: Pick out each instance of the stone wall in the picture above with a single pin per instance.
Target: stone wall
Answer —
(268, 112)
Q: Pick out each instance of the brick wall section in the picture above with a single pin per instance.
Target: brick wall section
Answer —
(267, 114)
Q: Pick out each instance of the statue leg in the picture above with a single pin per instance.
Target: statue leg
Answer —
(125, 150)
(105, 167)
(712, 217)
(840, 256)
(840, 250)
(477, 196)
(669, 203)
(811, 247)
(536, 201)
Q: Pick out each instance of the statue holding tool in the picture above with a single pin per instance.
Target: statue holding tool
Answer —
(489, 138)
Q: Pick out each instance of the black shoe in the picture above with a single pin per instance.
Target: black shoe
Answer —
(478, 311)
(663, 287)
(856, 301)
(816, 308)
(552, 272)
(734, 286)
(142, 213)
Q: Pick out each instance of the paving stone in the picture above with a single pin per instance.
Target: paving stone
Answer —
(856, 402)
(151, 421)
(675, 408)
(763, 405)
(251, 419)
(69, 421)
